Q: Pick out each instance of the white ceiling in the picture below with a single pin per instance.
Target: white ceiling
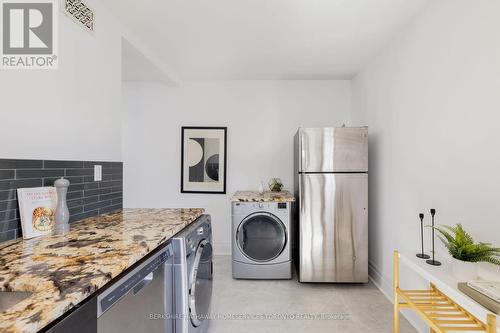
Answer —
(137, 67)
(265, 39)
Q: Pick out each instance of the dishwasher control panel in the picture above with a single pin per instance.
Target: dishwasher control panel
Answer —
(122, 287)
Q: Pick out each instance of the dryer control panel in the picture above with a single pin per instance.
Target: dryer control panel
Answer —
(282, 205)
(247, 208)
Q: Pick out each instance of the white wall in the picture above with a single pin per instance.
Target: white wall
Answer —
(69, 113)
(432, 101)
(261, 116)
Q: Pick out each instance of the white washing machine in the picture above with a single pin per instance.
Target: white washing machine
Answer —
(261, 240)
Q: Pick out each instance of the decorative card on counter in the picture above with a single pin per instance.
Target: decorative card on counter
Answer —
(37, 207)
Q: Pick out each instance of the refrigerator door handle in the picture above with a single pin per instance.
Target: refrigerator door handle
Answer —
(354, 242)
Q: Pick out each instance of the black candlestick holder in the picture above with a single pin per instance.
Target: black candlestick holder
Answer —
(432, 261)
(422, 255)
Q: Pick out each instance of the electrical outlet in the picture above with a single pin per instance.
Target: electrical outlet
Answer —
(97, 173)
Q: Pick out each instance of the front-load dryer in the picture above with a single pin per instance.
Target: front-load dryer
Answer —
(261, 240)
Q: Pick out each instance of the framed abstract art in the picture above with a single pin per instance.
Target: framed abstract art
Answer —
(203, 160)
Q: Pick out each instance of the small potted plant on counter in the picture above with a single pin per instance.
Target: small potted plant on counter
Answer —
(465, 252)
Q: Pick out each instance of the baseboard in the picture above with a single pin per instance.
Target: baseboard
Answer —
(222, 248)
(385, 286)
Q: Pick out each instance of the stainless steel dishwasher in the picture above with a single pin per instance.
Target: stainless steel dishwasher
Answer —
(141, 301)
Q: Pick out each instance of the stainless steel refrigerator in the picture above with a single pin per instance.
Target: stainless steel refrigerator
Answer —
(331, 184)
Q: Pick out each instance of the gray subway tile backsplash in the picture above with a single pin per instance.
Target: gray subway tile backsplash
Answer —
(7, 215)
(8, 205)
(74, 195)
(86, 198)
(63, 164)
(8, 225)
(21, 164)
(39, 173)
(6, 185)
(8, 195)
(97, 205)
(8, 235)
(80, 172)
(85, 215)
(90, 186)
(110, 209)
(104, 165)
(7, 174)
(110, 196)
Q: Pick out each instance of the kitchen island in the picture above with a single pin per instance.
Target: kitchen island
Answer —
(62, 271)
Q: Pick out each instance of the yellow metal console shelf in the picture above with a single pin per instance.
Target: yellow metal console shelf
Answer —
(440, 312)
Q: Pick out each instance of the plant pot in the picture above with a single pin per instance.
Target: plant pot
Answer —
(275, 185)
(464, 270)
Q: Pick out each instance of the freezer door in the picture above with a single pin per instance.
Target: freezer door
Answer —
(333, 222)
(341, 149)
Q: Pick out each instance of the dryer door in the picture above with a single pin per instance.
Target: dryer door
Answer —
(200, 291)
(261, 237)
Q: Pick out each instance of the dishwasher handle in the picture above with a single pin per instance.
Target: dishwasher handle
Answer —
(134, 281)
(143, 283)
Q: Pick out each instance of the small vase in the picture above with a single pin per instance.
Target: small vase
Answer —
(261, 188)
(464, 270)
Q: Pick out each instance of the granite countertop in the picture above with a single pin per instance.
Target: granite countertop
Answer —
(268, 196)
(63, 270)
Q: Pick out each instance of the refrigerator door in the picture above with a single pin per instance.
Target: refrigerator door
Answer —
(341, 149)
(333, 226)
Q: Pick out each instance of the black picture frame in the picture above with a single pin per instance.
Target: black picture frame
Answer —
(183, 129)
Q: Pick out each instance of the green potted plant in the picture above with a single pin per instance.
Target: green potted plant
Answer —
(275, 185)
(465, 252)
